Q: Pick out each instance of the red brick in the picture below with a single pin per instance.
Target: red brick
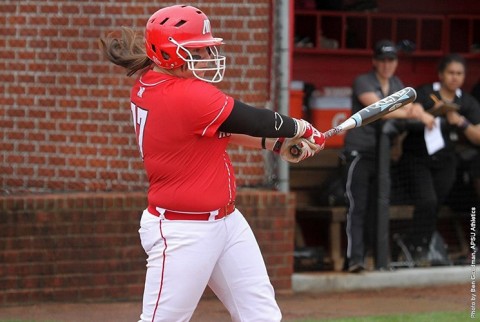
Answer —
(49, 32)
(45, 172)
(89, 104)
(19, 43)
(76, 139)
(91, 9)
(8, 8)
(97, 163)
(88, 127)
(36, 67)
(54, 160)
(15, 136)
(115, 10)
(70, 9)
(65, 172)
(78, 69)
(34, 43)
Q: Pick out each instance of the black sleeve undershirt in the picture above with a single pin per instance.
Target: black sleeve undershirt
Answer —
(258, 122)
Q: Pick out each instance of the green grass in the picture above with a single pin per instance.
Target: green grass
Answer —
(420, 317)
(14, 320)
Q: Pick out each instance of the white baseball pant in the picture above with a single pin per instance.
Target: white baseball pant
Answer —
(186, 256)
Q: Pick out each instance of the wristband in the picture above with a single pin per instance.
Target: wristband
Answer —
(263, 143)
(463, 126)
(278, 145)
(296, 127)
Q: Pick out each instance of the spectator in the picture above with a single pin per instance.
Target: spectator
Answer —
(431, 172)
(361, 148)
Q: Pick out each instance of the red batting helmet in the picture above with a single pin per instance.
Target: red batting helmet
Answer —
(171, 30)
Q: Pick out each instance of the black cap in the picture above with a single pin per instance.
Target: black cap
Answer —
(385, 49)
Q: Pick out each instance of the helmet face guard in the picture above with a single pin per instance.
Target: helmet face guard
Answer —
(173, 31)
(214, 67)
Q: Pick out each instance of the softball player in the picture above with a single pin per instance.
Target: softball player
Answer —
(191, 231)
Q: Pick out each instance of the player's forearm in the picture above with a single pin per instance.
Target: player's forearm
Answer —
(472, 132)
(412, 110)
(401, 113)
(259, 122)
(252, 142)
(263, 123)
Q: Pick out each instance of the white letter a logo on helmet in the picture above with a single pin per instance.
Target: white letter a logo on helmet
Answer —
(206, 27)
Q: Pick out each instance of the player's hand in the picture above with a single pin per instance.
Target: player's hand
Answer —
(309, 132)
(428, 120)
(307, 149)
(416, 111)
(454, 118)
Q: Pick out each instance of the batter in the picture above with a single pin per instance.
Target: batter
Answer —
(191, 231)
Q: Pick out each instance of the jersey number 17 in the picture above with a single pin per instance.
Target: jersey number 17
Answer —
(139, 120)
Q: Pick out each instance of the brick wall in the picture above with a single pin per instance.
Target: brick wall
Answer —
(85, 246)
(64, 110)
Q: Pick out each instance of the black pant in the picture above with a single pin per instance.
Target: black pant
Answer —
(361, 190)
(430, 180)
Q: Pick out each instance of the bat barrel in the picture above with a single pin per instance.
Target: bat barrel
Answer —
(384, 106)
(370, 113)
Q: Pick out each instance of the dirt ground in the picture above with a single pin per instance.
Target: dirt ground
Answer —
(294, 307)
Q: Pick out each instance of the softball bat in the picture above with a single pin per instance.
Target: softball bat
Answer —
(370, 113)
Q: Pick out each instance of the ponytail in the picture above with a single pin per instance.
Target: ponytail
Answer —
(127, 51)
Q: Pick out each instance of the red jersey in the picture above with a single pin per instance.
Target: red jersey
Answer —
(176, 122)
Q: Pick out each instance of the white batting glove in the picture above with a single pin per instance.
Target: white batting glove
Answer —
(283, 147)
(309, 132)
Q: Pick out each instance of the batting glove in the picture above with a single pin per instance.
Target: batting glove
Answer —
(307, 131)
(284, 146)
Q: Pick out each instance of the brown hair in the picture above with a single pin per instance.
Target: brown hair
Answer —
(127, 51)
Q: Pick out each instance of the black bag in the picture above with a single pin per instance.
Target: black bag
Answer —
(333, 191)
(308, 259)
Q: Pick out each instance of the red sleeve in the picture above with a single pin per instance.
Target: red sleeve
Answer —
(208, 107)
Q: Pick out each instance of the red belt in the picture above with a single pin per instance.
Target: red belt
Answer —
(204, 216)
